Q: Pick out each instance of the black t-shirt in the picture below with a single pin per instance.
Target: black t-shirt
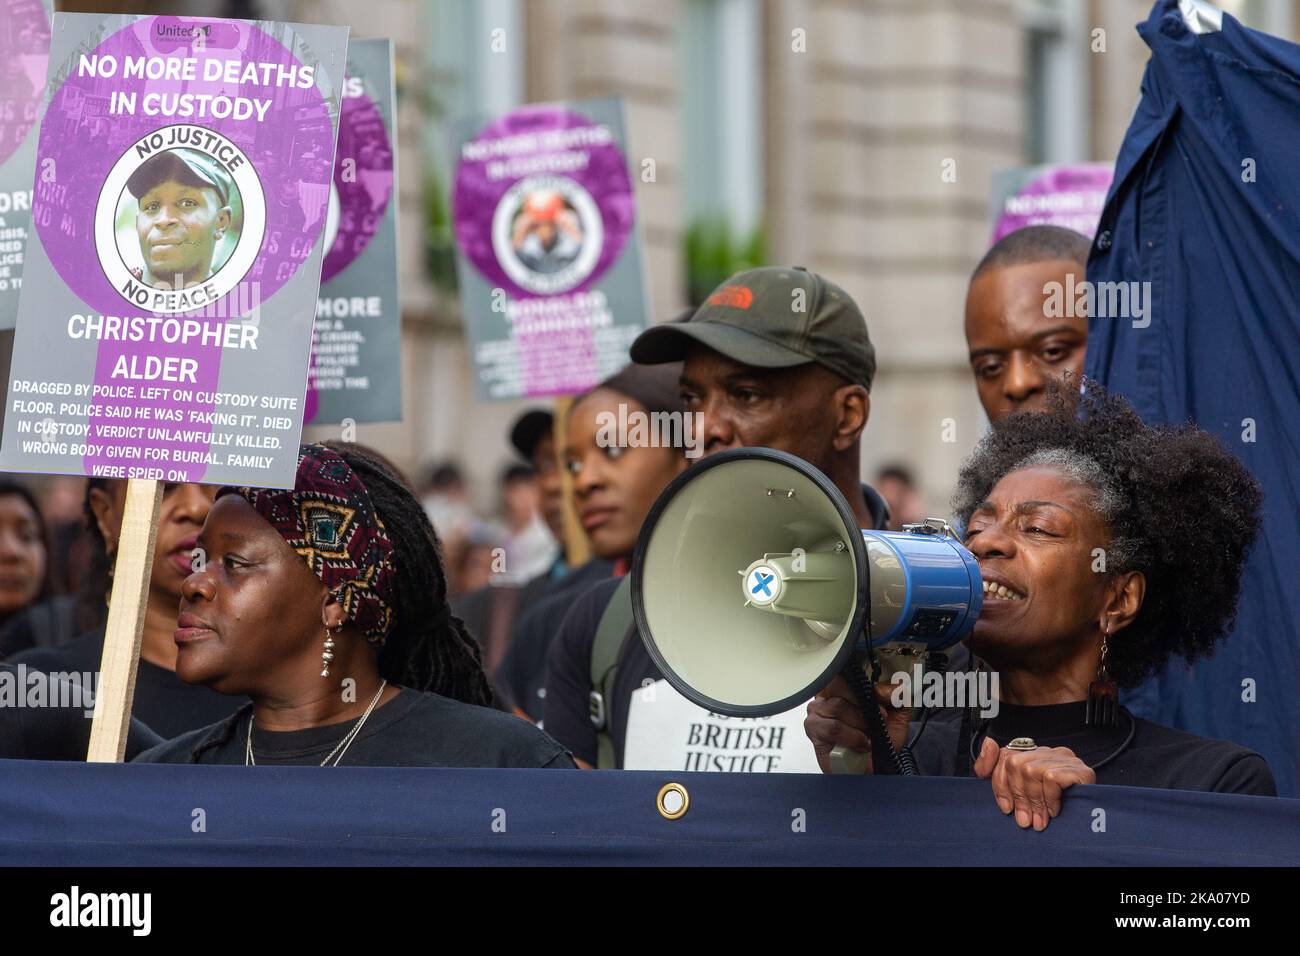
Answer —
(55, 726)
(46, 624)
(1156, 756)
(568, 677)
(490, 613)
(163, 701)
(566, 710)
(521, 678)
(413, 729)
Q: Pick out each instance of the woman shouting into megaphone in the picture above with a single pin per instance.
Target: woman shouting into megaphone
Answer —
(1107, 548)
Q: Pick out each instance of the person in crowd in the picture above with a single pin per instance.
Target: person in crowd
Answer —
(326, 606)
(898, 487)
(61, 619)
(495, 615)
(61, 498)
(162, 701)
(1024, 323)
(614, 485)
(24, 551)
(446, 502)
(530, 547)
(777, 358)
(475, 562)
(1107, 548)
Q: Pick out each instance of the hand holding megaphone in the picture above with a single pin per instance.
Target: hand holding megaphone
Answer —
(838, 730)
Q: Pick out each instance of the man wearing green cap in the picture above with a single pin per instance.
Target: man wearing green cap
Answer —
(777, 358)
(183, 213)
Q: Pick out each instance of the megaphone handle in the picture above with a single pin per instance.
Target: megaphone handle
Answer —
(844, 760)
(884, 759)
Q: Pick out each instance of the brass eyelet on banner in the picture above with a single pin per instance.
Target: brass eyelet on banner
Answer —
(673, 801)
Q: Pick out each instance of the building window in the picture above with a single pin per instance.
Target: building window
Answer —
(464, 77)
(722, 98)
(1056, 81)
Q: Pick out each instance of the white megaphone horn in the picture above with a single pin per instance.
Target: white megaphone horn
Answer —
(752, 587)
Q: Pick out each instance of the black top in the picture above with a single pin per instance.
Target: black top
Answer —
(568, 668)
(521, 678)
(413, 729)
(1157, 756)
(162, 700)
(45, 624)
(568, 677)
(56, 725)
(490, 612)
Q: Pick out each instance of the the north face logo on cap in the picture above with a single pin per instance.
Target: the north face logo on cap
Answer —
(736, 296)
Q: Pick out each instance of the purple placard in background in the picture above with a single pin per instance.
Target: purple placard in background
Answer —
(1070, 196)
(24, 50)
(363, 193)
(355, 371)
(543, 208)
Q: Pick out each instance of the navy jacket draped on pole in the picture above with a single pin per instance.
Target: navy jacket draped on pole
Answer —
(1205, 207)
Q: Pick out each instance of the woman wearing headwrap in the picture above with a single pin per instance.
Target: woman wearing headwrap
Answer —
(327, 607)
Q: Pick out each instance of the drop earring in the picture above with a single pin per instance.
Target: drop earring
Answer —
(1103, 695)
(327, 655)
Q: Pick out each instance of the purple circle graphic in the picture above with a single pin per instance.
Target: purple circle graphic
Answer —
(363, 181)
(542, 202)
(24, 52)
(1068, 196)
(88, 129)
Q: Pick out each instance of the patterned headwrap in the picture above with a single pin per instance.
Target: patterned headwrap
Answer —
(329, 519)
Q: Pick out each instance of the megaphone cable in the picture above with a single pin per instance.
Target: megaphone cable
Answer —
(885, 760)
(938, 663)
(1132, 731)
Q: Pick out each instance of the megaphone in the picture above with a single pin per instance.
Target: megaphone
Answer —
(753, 586)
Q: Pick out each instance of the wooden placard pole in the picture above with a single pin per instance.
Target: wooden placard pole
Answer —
(126, 610)
(577, 549)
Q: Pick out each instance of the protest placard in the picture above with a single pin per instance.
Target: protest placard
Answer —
(24, 49)
(356, 370)
(1069, 195)
(182, 179)
(552, 288)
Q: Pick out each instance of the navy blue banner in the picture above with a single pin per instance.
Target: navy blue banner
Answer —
(66, 814)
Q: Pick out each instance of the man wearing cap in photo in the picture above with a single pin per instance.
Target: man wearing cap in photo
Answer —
(777, 358)
(184, 211)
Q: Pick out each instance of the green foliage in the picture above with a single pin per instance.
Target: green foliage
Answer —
(712, 255)
(439, 242)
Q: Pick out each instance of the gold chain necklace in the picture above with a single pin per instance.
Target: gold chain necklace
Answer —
(340, 748)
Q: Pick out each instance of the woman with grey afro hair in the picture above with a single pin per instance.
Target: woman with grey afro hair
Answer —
(1176, 506)
(1107, 547)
